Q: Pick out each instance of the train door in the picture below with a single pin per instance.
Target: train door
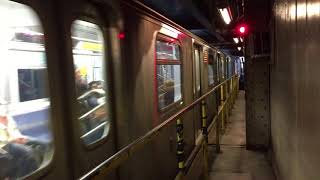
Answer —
(217, 78)
(220, 75)
(228, 72)
(89, 83)
(197, 87)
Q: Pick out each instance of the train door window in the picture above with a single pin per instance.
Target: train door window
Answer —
(210, 71)
(227, 67)
(168, 64)
(25, 133)
(222, 68)
(90, 81)
(197, 69)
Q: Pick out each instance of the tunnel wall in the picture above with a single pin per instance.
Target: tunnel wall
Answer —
(295, 89)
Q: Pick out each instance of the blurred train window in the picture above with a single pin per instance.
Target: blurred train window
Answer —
(25, 133)
(211, 70)
(32, 84)
(168, 72)
(229, 67)
(90, 82)
(222, 68)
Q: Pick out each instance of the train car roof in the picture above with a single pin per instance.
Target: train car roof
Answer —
(141, 8)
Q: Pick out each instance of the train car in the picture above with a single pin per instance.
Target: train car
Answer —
(82, 79)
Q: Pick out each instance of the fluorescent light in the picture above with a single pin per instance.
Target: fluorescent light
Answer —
(169, 31)
(241, 39)
(236, 40)
(239, 48)
(225, 15)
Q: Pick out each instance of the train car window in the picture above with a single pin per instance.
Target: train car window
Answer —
(32, 84)
(197, 68)
(210, 71)
(90, 81)
(224, 68)
(25, 133)
(229, 67)
(168, 72)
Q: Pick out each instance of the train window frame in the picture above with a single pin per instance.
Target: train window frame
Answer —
(107, 75)
(175, 105)
(45, 166)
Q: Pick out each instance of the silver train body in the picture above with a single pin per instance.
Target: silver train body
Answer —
(133, 71)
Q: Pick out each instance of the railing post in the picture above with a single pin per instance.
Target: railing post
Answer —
(234, 97)
(205, 165)
(204, 120)
(235, 89)
(204, 128)
(180, 145)
(222, 93)
(219, 120)
(218, 127)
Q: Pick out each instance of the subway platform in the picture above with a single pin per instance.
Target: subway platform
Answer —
(235, 162)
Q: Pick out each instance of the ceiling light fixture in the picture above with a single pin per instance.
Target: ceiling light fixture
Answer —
(169, 31)
(236, 40)
(225, 15)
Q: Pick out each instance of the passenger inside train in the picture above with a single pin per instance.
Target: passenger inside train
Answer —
(19, 154)
(91, 103)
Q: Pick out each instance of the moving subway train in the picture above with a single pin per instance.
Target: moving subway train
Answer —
(80, 79)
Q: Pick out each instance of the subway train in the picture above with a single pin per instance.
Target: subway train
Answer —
(81, 79)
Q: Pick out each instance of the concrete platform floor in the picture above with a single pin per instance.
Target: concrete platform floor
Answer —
(234, 162)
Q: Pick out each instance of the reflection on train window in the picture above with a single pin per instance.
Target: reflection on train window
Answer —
(25, 133)
(168, 73)
(168, 51)
(91, 89)
(222, 68)
(229, 67)
(210, 71)
(32, 84)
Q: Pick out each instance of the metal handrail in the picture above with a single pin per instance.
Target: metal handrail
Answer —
(84, 95)
(94, 129)
(201, 137)
(115, 160)
(91, 111)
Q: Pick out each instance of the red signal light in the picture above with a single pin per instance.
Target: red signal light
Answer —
(121, 35)
(242, 30)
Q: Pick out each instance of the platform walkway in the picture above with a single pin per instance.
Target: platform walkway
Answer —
(234, 162)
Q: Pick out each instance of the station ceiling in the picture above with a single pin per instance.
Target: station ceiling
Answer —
(202, 17)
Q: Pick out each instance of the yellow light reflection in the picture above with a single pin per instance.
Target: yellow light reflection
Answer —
(302, 10)
(313, 9)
